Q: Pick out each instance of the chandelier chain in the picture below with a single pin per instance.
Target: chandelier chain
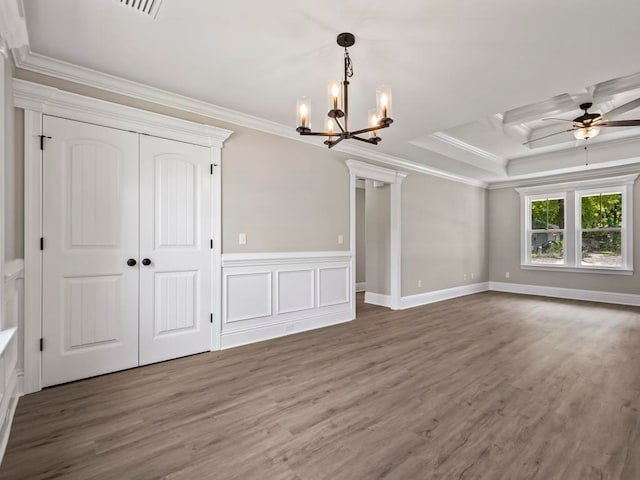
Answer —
(348, 64)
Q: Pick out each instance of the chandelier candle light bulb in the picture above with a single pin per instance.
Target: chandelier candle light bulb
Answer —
(335, 94)
(374, 122)
(304, 114)
(383, 100)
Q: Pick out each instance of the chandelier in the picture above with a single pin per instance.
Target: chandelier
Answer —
(338, 115)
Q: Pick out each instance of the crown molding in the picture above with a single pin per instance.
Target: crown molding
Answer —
(456, 142)
(26, 59)
(13, 27)
(599, 174)
(52, 101)
(602, 182)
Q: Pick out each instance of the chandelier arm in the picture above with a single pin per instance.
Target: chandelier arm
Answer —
(369, 129)
(373, 141)
(320, 134)
(342, 129)
(334, 142)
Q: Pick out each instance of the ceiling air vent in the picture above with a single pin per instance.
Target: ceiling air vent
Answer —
(148, 7)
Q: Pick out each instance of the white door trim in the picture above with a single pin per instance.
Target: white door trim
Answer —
(37, 100)
(3, 139)
(394, 178)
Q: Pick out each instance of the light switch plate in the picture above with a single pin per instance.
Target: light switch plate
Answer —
(242, 239)
(340, 239)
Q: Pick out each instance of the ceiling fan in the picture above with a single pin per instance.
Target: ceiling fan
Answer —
(588, 125)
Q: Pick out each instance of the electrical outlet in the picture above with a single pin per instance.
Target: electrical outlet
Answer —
(340, 239)
(472, 276)
(242, 239)
(419, 283)
(464, 277)
(507, 275)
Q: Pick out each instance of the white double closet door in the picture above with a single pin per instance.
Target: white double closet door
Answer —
(127, 262)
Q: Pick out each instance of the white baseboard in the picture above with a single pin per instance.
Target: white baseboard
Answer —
(361, 287)
(377, 299)
(440, 295)
(268, 332)
(567, 293)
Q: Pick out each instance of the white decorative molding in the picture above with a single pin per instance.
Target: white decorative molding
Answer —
(456, 142)
(361, 287)
(597, 173)
(13, 27)
(281, 258)
(8, 383)
(440, 295)
(247, 295)
(27, 60)
(333, 285)
(309, 290)
(373, 172)
(567, 293)
(580, 184)
(377, 299)
(394, 178)
(52, 101)
(295, 290)
(270, 331)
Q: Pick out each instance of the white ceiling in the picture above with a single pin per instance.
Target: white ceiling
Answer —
(459, 69)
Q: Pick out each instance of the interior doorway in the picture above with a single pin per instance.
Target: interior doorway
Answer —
(376, 192)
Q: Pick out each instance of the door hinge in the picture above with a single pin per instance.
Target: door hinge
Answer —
(42, 137)
(41, 243)
(41, 344)
(211, 318)
(212, 243)
(212, 169)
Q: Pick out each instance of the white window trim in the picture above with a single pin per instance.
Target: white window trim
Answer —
(571, 192)
(528, 230)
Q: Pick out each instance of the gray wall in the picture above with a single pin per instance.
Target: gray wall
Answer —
(361, 270)
(444, 235)
(504, 252)
(377, 238)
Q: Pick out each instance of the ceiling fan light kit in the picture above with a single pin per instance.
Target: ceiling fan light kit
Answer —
(337, 126)
(588, 125)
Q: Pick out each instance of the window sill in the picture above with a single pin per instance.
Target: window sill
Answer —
(566, 269)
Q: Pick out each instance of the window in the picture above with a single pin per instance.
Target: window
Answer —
(546, 235)
(601, 229)
(579, 226)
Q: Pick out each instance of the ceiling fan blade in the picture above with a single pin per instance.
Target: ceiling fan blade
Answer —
(550, 135)
(623, 108)
(620, 123)
(558, 120)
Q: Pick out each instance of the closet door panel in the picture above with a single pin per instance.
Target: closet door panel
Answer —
(175, 233)
(90, 229)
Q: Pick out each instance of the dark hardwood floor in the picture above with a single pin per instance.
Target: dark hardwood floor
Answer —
(489, 386)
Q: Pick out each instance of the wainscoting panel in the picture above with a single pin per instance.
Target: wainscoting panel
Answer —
(10, 370)
(271, 295)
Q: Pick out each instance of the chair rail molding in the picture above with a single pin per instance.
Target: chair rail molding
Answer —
(39, 100)
(394, 178)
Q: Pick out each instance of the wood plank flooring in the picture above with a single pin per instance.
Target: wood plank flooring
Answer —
(489, 386)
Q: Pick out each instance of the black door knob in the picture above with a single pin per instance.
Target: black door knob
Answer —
(131, 262)
(146, 261)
